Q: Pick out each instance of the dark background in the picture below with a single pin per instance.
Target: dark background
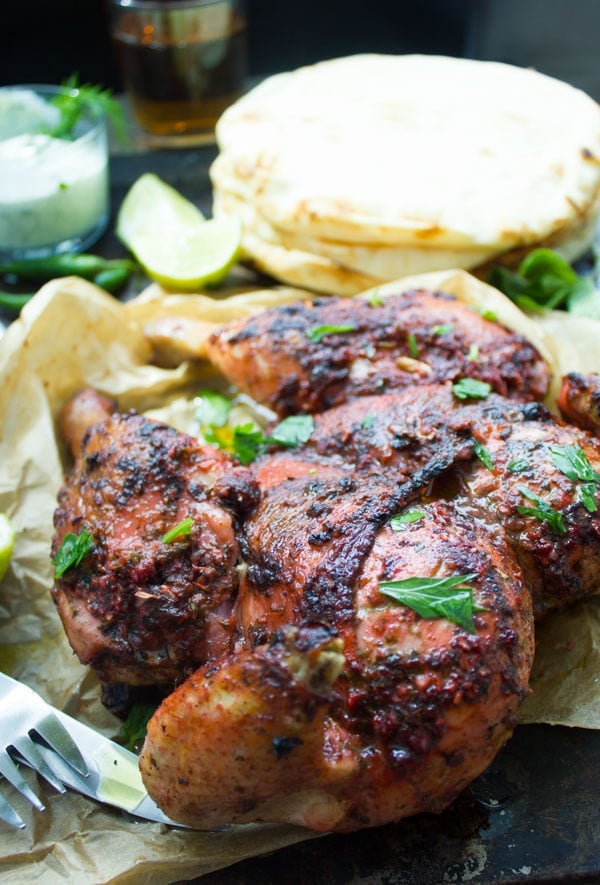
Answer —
(47, 40)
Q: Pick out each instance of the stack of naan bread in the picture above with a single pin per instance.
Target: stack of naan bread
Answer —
(368, 168)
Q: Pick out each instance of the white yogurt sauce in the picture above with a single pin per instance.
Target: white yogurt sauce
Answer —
(51, 189)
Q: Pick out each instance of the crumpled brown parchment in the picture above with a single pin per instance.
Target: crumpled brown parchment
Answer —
(73, 334)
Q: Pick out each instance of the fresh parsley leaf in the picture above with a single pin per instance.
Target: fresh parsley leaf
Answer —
(519, 465)
(76, 99)
(398, 522)
(483, 454)
(436, 597)
(369, 421)
(180, 530)
(211, 409)
(292, 431)
(248, 441)
(375, 299)
(317, 333)
(485, 313)
(443, 329)
(133, 730)
(587, 496)
(471, 388)
(542, 511)
(473, 354)
(573, 463)
(71, 552)
(413, 347)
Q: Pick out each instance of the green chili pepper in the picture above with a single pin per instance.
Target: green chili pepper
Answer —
(112, 278)
(81, 265)
(14, 300)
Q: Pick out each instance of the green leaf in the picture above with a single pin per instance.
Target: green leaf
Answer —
(587, 496)
(369, 421)
(317, 333)
(573, 463)
(413, 347)
(248, 441)
(292, 431)
(519, 465)
(473, 354)
(133, 730)
(471, 388)
(375, 299)
(483, 454)
(544, 281)
(442, 329)
(71, 552)
(211, 409)
(485, 313)
(180, 530)
(75, 99)
(584, 300)
(398, 522)
(436, 597)
(542, 511)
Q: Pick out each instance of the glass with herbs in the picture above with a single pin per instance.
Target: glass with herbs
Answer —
(182, 62)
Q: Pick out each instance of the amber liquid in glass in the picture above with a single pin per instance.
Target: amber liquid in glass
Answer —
(180, 87)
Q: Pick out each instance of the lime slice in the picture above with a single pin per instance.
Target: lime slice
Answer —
(7, 540)
(172, 240)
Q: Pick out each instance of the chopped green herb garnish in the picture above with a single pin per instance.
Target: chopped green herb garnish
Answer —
(71, 552)
(436, 597)
(368, 422)
(180, 530)
(398, 522)
(473, 354)
(247, 443)
(212, 409)
(542, 510)
(483, 454)
(375, 299)
(587, 496)
(292, 431)
(413, 347)
(573, 463)
(443, 329)
(485, 314)
(519, 465)
(317, 333)
(471, 388)
(133, 730)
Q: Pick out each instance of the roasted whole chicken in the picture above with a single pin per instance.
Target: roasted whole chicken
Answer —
(347, 623)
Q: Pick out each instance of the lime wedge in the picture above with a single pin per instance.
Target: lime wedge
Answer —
(7, 540)
(172, 240)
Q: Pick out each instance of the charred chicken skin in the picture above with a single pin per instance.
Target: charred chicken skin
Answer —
(312, 355)
(579, 400)
(141, 609)
(321, 695)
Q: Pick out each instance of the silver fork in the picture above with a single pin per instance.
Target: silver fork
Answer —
(64, 752)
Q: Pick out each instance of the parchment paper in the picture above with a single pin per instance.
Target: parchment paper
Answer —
(73, 334)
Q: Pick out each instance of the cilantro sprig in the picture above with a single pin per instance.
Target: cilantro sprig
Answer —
(181, 530)
(471, 388)
(572, 461)
(75, 99)
(436, 597)
(317, 333)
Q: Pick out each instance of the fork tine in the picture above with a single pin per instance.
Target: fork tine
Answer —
(57, 736)
(14, 776)
(9, 815)
(27, 749)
